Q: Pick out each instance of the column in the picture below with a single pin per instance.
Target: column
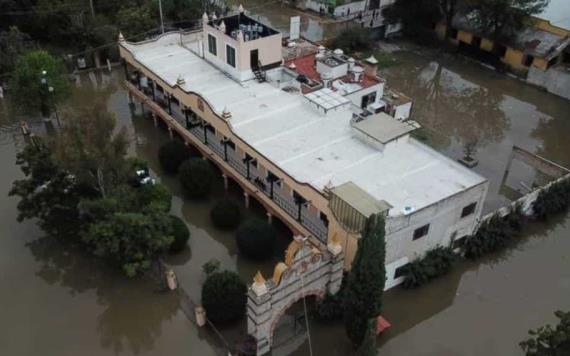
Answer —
(269, 218)
(246, 200)
(170, 133)
(169, 106)
(155, 120)
(226, 183)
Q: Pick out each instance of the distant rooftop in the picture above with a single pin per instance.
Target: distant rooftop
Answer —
(251, 28)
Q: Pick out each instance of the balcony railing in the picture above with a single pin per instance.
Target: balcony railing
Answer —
(283, 199)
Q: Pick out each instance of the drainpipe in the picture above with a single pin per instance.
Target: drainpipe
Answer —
(225, 143)
(271, 182)
(247, 165)
(138, 80)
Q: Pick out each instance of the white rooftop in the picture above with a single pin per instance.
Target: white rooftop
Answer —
(308, 145)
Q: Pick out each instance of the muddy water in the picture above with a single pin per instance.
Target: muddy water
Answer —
(459, 101)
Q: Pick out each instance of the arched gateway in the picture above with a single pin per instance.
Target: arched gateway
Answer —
(307, 271)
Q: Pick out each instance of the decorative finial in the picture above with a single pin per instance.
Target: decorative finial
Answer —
(226, 114)
(214, 17)
(240, 36)
(180, 81)
(293, 65)
(121, 37)
(223, 27)
(205, 18)
(258, 286)
(240, 8)
(334, 246)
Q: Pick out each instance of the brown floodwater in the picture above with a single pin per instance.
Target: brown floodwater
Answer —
(58, 301)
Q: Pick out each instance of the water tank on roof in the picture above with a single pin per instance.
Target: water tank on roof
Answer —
(338, 52)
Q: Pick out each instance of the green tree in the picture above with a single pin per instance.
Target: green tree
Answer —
(135, 21)
(134, 240)
(196, 177)
(416, 16)
(366, 280)
(46, 192)
(30, 86)
(500, 19)
(368, 346)
(548, 340)
(13, 43)
(255, 239)
(224, 297)
(92, 149)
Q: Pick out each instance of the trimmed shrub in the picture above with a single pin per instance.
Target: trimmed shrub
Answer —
(353, 40)
(180, 232)
(255, 239)
(224, 297)
(330, 308)
(435, 263)
(554, 200)
(226, 214)
(172, 154)
(196, 177)
(494, 234)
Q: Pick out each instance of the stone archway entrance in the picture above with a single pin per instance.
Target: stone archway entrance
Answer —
(306, 271)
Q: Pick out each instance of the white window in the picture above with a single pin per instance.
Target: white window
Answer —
(231, 55)
(212, 45)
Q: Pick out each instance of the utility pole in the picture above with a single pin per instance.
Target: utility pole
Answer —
(161, 21)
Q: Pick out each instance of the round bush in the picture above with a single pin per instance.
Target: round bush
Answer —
(196, 177)
(225, 214)
(255, 239)
(224, 297)
(180, 232)
(171, 155)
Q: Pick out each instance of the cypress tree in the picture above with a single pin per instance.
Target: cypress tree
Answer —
(366, 280)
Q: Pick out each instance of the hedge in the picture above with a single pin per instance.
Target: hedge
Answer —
(433, 264)
(224, 297)
(226, 214)
(171, 155)
(196, 177)
(553, 200)
(180, 232)
(256, 239)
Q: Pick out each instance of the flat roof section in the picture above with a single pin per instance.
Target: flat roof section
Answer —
(327, 99)
(383, 127)
(310, 147)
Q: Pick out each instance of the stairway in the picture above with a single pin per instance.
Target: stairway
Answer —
(259, 73)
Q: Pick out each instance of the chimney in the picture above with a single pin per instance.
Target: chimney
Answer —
(371, 66)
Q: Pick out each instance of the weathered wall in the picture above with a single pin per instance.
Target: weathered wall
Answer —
(554, 80)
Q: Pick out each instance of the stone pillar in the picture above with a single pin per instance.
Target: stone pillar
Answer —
(337, 262)
(259, 314)
(246, 199)
(226, 183)
(200, 314)
(269, 218)
(171, 280)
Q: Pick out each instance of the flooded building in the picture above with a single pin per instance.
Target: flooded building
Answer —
(310, 133)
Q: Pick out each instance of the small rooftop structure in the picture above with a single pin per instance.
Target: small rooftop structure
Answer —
(250, 28)
(384, 128)
(327, 99)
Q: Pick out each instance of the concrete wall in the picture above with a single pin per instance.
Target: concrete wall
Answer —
(356, 97)
(354, 7)
(554, 80)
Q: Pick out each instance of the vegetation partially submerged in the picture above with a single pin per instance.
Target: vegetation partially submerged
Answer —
(433, 264)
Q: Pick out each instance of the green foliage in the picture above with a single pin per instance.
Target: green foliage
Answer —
(554, 200)
(180, 233)
(353, 40)
(135, 21)
(133, 240)
(366, 280)
(435, 263)
(172, 154)
(368, 346)
(548, 340)
(330, 308)
(494, 234)
(13, 43)
(500, 19)
(212, 266)
(46, 192)
(416, 16)
(226, 214)
(196, 177)
(224, 297)
(256, 239)
(27, 88)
